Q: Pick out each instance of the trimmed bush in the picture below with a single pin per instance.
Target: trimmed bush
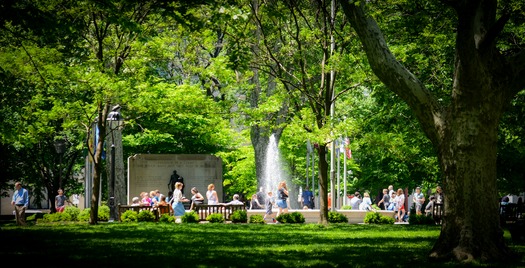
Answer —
(215, 218)
(146, 216)
(337, 217)
(239, 216)
(129, 216)
(422, 219)
(166, 218)
(73, 211)
(103, 213)
(257, 219)
(84, 214)
(346, 207)
(294, 217)
(190, 217)
(377, 218)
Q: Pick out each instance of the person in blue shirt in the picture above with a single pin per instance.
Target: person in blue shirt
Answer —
(21, 202)
(308, 198)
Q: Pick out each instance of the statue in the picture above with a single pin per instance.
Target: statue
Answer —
(174, 179)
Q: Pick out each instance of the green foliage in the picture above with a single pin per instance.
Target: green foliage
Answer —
(56, 217)
(190, 217)
(294, 217)
(422, 219)
(84, 215)
(256, 218)
(215, 218)
(337, 217)
(103, 213)
(73, 211)
(346, 207)
(146, 215)
(166, 218)
(239, 216)
(377, 218)
(129, 216)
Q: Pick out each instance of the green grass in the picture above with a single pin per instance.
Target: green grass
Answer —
(223, 245)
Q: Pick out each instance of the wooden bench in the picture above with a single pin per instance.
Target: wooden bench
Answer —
(226, 210)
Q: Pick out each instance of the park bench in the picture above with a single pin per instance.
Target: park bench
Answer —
(226, 210)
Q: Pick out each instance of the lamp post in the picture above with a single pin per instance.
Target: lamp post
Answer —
(60, 148)
(115, 121)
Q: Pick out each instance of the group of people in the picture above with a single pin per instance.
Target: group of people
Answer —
(395, 201)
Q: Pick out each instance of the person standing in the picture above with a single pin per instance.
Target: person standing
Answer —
(269, 204)
(261, 197)
(211, 195)
(178, 207)
(400, 200)
(385, 200)
(21, 202)
(60, 201)
(282, 197)
(418, 199)
(308, 198)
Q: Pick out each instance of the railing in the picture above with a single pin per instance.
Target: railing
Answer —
(226, 210)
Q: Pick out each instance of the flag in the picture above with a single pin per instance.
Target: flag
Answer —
(348, 151)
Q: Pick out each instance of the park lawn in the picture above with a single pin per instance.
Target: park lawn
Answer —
(225, 245)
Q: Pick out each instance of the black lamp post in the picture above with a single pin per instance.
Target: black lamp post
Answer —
(60, 148)
(115, 122)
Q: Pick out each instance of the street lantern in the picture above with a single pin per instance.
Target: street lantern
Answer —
(60, 148)
(115, 121)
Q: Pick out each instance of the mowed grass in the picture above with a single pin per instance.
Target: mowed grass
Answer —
(224, 245)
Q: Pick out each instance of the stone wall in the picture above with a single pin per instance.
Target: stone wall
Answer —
(147, 172)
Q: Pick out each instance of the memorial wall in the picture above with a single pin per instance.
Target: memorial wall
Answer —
(148, 172)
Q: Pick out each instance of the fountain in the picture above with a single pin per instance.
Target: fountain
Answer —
(273, 170)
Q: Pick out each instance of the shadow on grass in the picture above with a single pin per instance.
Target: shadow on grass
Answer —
(222, 245)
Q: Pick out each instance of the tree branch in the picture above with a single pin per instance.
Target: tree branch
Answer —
(392, 73)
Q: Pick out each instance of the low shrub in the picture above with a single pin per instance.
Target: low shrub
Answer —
(55, 217)
(103, 213)
(73, 211)
(346, 207)
(190, 217)
(337, 217)
(239, 216)
(129, 216)
(257, 219)
(215, 218)
(146, 216)
(377, 218)
(84, 215)
(422, 219)
(294, 217)
(166, 218)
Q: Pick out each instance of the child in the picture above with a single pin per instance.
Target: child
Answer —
(269, 204)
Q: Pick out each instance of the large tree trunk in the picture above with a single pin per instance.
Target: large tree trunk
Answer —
(464, 132)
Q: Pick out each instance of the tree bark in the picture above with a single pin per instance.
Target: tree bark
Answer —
(464, 133)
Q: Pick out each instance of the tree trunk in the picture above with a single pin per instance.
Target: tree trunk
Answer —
(323, 182)
(467, 155)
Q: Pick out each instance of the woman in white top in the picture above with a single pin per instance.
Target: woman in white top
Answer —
(211, 195)
(400, 199)
(178, 207)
